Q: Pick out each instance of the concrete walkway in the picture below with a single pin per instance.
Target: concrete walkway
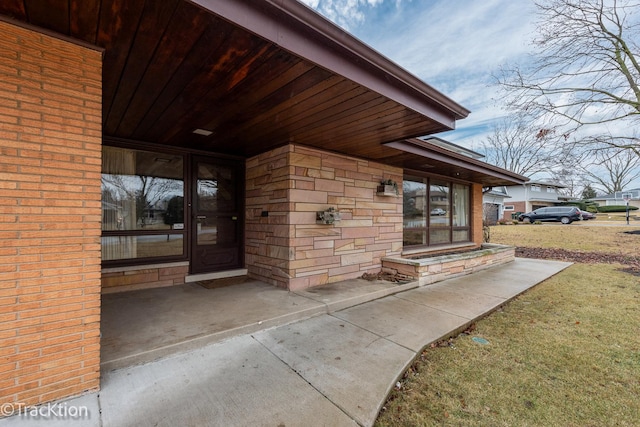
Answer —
(327, 370)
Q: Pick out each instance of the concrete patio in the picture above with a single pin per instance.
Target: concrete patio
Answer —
(141, 326)
(252, 354)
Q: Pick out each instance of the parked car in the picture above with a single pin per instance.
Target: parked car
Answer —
(438, 211)
(564, 214)
(586, 216)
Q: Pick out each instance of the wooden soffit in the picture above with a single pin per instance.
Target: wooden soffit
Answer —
(257, 74)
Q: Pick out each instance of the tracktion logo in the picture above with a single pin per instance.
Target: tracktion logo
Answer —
(51, 411)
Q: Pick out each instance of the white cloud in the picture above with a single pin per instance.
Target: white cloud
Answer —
(456, 40)
(456, 46)
(348, 14)
(453, 45)
(434, 39)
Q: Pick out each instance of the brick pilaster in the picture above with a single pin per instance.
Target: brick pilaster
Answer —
(50, 212)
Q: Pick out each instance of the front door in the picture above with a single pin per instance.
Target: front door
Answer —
(217, 221)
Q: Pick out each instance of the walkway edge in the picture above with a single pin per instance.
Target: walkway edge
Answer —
(339, 368)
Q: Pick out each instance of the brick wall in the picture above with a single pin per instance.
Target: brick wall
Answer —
(476, 214)
(287, 248)
(517, 207)
(50, 159)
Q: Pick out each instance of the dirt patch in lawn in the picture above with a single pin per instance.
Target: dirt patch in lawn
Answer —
(630, 263)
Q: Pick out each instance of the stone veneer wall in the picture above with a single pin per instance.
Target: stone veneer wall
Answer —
(122, 279)
(287, 248)
(437, 268)
(50, 211)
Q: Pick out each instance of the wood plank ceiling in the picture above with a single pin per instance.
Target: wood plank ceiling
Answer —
(171, 67)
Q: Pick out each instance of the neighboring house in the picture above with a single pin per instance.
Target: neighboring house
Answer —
(247, 116)
(532, 195)
(493, 202)
(618, 198)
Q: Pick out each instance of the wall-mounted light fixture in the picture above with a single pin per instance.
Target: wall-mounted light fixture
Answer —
(387, 187)
(328, 216)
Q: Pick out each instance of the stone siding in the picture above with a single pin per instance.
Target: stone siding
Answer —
(433, 269)
(285, 188)
(135, 278)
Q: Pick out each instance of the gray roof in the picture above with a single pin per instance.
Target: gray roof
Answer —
(635, 194)
(548, 184)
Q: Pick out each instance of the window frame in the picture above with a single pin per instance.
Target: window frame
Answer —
(426, 230)
(184, 256)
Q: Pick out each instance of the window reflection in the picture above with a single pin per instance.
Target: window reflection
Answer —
(439, 211)
(130, 247)
(435, 212)
(414, 198)
(216, 188)
(142, 191)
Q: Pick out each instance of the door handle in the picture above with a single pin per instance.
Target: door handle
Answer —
(201, 217)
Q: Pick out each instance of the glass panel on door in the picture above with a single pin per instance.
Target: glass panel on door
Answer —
(216, 213)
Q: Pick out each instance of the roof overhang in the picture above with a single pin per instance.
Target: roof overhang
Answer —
(418, 155)
(303, 32)
(255, 74)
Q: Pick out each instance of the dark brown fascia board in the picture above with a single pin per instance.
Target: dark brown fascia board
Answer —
(303, 32)
(430, 151)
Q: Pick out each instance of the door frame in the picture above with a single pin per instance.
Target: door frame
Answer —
(191, 194)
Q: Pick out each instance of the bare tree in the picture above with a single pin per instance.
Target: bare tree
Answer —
(572, 178)
(614, 171)
(142, 192)
(585, 72)
(523, 148)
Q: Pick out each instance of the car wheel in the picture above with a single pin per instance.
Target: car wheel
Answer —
(526, 220)
(565, 220)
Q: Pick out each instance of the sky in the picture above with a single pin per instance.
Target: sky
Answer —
(455, 46)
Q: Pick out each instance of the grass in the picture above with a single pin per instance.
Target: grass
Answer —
(584, 238)
(618, 216)
(566, 353)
